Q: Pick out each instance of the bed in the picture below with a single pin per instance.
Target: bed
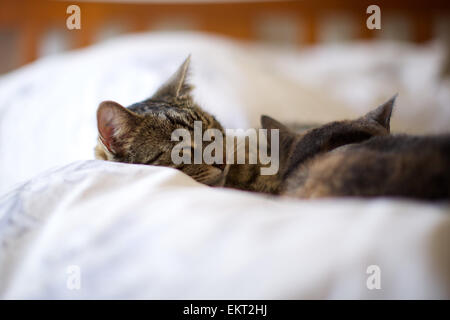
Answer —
(133, 231)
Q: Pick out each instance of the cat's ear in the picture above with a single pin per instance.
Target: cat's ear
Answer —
(383, 113)
(270, 123)
(114, 123)
(286, 137)
(177, 85)
(285, 133)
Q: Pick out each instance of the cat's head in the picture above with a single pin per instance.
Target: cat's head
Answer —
(141, 133)
(298, 146)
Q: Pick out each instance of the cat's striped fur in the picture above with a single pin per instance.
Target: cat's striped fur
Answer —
(387, 165)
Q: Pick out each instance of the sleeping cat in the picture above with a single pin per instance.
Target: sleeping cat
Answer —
(384, 165)
(315, 141)
(142, 132)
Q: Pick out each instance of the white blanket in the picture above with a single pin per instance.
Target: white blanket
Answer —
(133, 231)
(130, 231)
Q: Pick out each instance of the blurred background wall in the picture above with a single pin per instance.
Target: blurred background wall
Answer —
(30, 29)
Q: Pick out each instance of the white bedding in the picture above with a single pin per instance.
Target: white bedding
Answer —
(148, 232)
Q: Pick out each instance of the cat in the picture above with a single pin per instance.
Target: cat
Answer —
(141, 134)
(310, 142)
(384, 165)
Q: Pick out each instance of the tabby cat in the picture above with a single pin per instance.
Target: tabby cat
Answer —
(309, 143)
(384, 165)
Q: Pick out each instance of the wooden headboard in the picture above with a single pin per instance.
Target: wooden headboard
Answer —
(29, 20)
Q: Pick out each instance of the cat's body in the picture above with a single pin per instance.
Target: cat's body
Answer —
(310, 142)
(397, 165)
(387, 165)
